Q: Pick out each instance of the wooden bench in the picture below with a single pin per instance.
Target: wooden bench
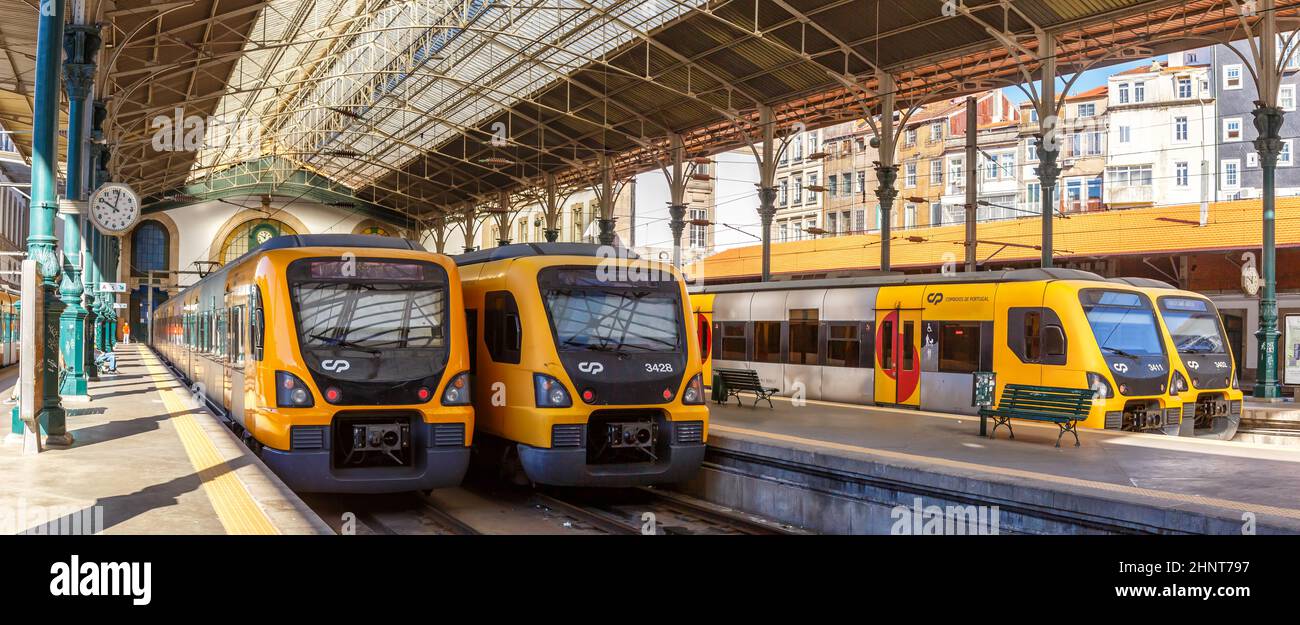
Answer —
(734, 381)
(1063, 406)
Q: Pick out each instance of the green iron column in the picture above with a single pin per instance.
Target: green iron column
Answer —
(44, 204)
(1268, 121)
(94, 244)
(80, 43)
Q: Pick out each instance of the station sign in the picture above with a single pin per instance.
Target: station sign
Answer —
(112, 287)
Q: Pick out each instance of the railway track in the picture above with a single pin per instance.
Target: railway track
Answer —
(649, 511)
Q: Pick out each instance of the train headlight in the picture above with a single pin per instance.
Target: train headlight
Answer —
(1100, 387)
(550, 392)
(694, 393)
(1236, 384)
(291, 391)
(457, 391)
(1178, 384)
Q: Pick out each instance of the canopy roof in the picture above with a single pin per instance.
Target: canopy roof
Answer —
(420, 105)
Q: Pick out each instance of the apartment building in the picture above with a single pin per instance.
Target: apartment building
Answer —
(1082, 136)
(799, 180)
(1161, 137)
(921, 161)
(998, 175)
(14, 203)
(850, 178)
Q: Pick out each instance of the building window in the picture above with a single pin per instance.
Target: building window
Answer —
(910, 182)
(1252, 159)
(1123, 93)
(1125, 134)
(1284, 158)
(1130, 175)
(699, 234)
(909, 137)
(1231, 174)
(1034, 193)
(1087, 110)
(251, 234)
(832, 185)
(1232, 77)
(862, 182)
(956, 172)
(936, 172)
(1181, 174)
(846, 185)
(785, 192)
(1232, 129)
(1184, 88)
(783, 231)
(1139, 92)
(1286, 97)
(803, 337)
(1180, 129)
(1031, 150)
(936, 131)
(149, 248)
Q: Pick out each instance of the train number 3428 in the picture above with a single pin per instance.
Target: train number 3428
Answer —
(659, 367)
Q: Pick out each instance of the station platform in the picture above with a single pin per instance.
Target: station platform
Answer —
(146, 459)
(841, 468)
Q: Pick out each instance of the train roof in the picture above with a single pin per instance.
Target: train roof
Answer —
(293, 241)
(525, 250)
(1014, 275)
(1145, 283)
(372, 241)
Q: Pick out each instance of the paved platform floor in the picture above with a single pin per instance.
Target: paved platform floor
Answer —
(1174, 472)
(145, 460)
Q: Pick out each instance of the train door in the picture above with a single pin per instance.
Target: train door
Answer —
(898, 357)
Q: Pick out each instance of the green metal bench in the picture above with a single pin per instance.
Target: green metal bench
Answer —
(736, 380)
(1065, 407)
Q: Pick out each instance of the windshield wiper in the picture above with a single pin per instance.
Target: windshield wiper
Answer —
(345, 344)
(1118, 352)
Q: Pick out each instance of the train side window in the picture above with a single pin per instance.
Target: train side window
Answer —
(909, 350)
(501, 328)
(731, 341)
(237, 329)
(257, 325)
(803, 337)
(1033, 329)
(959, 347)
(842, 345)
(887, 345)
(767, 341)
(1053, 343)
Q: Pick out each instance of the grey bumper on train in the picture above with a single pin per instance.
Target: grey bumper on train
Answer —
(311, 471)
(568, 467)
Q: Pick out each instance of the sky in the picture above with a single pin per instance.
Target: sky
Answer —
(1089, 80)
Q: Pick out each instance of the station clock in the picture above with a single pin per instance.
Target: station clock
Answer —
(115, 208)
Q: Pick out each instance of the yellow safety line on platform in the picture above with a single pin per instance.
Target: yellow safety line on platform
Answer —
(235, 507)
(1020, 473)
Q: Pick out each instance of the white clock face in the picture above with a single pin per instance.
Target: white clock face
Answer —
(115, 207)
(263, 236)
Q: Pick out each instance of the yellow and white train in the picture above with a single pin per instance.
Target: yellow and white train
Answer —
(916, 341)
(587, 367)
(341, 359)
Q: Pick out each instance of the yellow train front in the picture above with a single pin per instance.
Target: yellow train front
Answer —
(1205, 375)
(341, 359)
(587, 368)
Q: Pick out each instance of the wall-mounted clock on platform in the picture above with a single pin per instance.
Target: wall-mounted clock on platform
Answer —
(115, 208)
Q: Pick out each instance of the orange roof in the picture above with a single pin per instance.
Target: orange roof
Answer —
(1096, 92)
(1160, 230)
(1147, 69)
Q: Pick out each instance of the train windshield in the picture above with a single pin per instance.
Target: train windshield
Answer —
(370, 305)
(1123, 323)
(614, 316)
(1194, 325)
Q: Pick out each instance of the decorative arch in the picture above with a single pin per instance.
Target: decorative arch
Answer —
(292, 225)
(374, 226)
